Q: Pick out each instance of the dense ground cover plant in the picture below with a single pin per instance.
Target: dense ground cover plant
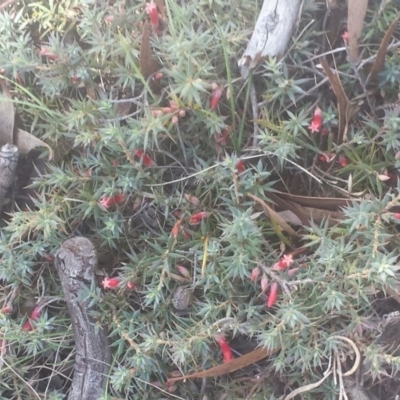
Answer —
(162, 176)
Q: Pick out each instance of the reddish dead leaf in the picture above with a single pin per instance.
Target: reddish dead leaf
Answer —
(232, 366)
(148, 64)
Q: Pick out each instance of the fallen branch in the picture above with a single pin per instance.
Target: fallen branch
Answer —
(271, 34)
(76, 262)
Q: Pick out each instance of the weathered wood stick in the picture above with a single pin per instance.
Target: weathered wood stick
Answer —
(9, 155)
(76, 262)
(271, 34)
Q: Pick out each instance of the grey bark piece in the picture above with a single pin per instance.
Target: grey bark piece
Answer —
(9, 155)
(76, 262)
(271, 34)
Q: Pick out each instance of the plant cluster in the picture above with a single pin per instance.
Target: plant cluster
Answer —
(159, 171)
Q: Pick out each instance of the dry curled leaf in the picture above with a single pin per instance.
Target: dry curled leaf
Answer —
(346, 108)
(327, 203)
(275, 216)
(25, 142)
(381, 56)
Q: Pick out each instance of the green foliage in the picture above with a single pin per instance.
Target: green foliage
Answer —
(74, 97)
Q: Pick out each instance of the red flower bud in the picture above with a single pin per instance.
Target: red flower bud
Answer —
(343, 161)
(35, 314)
(183, 271)
(222, 138)
(45, 52)
(215, 97)
(345, 36)
(108, 201)
(174, 106)
(147, 161)
(240, 166)
(255, 273)
(156, 113)
(131, 286)
(195, 219)
(176, 228)
(264, 283)
(7, 309)
(292, 272)
(192, 199)
(27, 326)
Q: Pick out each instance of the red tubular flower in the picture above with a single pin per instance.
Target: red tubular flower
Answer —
(195, 219)
(183, 271)
(396, 215)
(345, 36)
(292, 272)
(27, 326)
(316, 123)
(264, 283)
(108, 201)
(110, 283)
(45, 52)
(284, 262)
(222, 138)
(7, 309)
(255, 274)
(131, 286)
(215, 97)
(186, 234)
(343, 161)
(225, 348)
(35, 315)
(192, 199)
(147, 161)
(151, 9)
(273, 294)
